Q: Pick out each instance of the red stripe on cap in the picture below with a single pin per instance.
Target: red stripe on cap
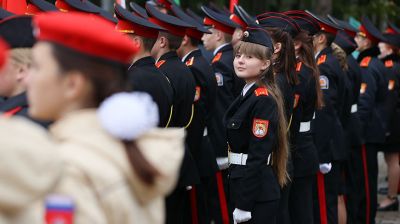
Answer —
(369, 35)
(85, 33)
(236, 19)
(194, 33)
(32, 10)
(219, 26)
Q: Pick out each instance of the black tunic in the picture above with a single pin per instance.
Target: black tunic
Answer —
(144, 77)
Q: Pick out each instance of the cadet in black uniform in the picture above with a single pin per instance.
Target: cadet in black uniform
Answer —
(143, 74)
(228, 88)
(351, 124)
(257, 135)
(282, 28)
(389, 49)
(183, 84)
(18, 33)
(204, 103)
(329, 136)
(308, 99)
(371, 106)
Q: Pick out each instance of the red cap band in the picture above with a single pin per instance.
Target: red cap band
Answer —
(219, 26)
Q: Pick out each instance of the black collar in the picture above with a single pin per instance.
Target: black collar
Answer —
(168, 55)
(372, 52)
(13, 102)
(144, 61)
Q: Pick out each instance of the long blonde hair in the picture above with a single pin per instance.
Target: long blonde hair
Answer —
(267, 79)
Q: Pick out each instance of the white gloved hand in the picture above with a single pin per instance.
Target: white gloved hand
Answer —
(325, 167)
(223, 163)
(241, 216)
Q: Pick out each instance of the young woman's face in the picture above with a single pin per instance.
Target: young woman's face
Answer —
(46, 86)
(248, 67)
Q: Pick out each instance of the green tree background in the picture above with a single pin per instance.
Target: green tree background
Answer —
(380, 11)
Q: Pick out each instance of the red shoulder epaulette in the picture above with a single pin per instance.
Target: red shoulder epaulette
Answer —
(190, 62)
(321, 59)
(365, 62)
(298, 66)
(261, 91)
(217, 57)
(160, 63)
(389, 63)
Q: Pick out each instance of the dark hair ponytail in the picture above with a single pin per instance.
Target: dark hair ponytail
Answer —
(306, 56)
(107, 78)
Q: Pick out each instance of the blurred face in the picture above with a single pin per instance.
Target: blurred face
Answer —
(362, 42)
(248, 67)
(237, 36)
(46, 86)
(8, 79)
(210, 40)
(385, 49)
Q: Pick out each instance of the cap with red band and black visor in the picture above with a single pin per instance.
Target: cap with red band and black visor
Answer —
(279, 20)
(138, 10)
(257, 35)
(84, 6)
(393, 29)
(325, 24)
(80, 32)
(38, 6)
(368, 30)
(304, 20)
(17, 31)
(198, 29)
(131, 24)
(218, 21)
(241, 17)
(172, 24)
(349, 29)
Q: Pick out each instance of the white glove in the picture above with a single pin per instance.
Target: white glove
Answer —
(241, 216)
(325, 167)
(223, 163)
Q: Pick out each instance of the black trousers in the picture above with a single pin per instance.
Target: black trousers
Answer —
(368, 190)
(354, 181)
(175, 205)
(301, 200)
(217, 205)
(264, 213)
(331, 190)
(283, 211)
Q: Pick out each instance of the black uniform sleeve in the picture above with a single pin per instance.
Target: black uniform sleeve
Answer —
(265, 110)
(366, 101)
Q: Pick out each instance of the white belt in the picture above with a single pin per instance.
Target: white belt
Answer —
(241, 158)
(353, 108)
(305, 126)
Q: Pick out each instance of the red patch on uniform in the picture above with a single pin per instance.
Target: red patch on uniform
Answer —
(160, 63)
(389, 63)
(298, 66)
(190, 62)
(296, 100)
(321, 59)
(261, 91)
(363, 88)
(197, 94)
(391, 85)
(260, 128)
(365, 62)
(217, 57)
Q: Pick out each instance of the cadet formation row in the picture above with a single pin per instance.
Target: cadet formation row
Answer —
(284, 114)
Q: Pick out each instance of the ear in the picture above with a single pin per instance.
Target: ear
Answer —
(76, 86)
(265, 65)
(22, 72)
(163, 42)
(277, 47)
(185, 41)
(219, 35)
(297, 44)
(137, 42)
